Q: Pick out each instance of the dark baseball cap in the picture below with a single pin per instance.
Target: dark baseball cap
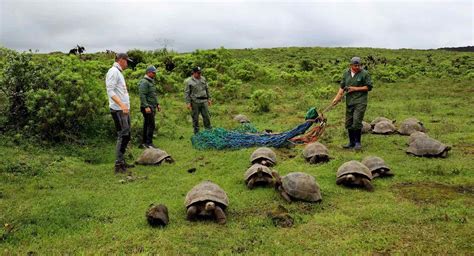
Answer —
(355, 60)
(196, 69)
(122, 55)
(151, 69)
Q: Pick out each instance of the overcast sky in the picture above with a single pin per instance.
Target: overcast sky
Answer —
(119, 25)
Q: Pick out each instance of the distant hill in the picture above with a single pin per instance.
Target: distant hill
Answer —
(459, 49)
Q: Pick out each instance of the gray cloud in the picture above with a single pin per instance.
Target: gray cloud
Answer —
(51, 25)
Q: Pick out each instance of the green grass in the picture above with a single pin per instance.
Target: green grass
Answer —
(66, 199)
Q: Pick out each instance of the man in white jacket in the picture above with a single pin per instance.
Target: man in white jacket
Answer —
(119, 104)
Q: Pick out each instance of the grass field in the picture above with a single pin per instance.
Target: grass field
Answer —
(66, 199)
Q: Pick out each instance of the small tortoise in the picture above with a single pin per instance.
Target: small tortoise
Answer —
(428, 147)
(366, 127)
(378, 119)
(316, 153)
(206, 200)
(354, 173)
(157, 215)
(416, 135)
(298, 186)
(154, 156)
(241, 119)
(257, 175)
(377, 166)
(384, 127)
(411, 125)
(263, 155)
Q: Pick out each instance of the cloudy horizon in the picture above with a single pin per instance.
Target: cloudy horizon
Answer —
(52, 25)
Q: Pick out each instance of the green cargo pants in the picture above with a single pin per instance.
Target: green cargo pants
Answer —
(354, 116)
(200, 108)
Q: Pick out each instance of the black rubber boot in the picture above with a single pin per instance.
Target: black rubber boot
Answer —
(351, 143)
(357, 137)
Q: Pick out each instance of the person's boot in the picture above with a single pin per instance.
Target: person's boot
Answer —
(357, 136)
(120, 167)
(351, 140)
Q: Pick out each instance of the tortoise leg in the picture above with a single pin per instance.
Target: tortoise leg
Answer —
(220, 215)
(269, 181)
(313, 160)
(191, 213)
(341, 180)
(285, 196)
(367, 185)
(251, 184)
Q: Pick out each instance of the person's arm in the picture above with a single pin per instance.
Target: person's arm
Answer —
(111, 83)
(338, 97)
(187, 94)
(208, 95)
(143, 91)
(364, 88)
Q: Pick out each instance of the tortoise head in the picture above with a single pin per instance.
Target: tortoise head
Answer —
(210, 206)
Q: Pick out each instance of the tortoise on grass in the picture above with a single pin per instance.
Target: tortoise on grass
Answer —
(316, 153)
(411, 125)
(428, 147)
(258, 175)
(206, 200)
(154, 156)
(241, 119)
(384, 127)
(157, 215)
(377, 166)
(264, 156)
(298, 186)
(354, 174)
(379, 119)
(416, 135)
(366, 127)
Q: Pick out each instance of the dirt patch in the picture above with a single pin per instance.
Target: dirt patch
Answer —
(431, 192)
(466, 148)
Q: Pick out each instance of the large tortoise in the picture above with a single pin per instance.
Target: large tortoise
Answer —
(384, 127)
(354, 173)
(316, 153)
(377, 166)
(241, 118)
(416, 135)
(366, 127)
(378, 119)
(157, 215)
(263, 155)
(428, 147)
(411, 125)
(258, 175)
(154, 156)
(298, 186)
(206, 200)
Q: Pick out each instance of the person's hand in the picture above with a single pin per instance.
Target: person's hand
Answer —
(351, 89)
(125, 110)
(158, 107)
(335, 101)
(189, 106)
(148, 110)
(209, 102)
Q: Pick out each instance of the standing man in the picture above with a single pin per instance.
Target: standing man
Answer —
(196, 93)
(355, 83)
(148, 106)
(119, 104)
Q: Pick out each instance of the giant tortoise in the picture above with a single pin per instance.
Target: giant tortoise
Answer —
(411, 125)
(316, 153)
(428, 147)
(263, 155)
(154, 156)
(354, 173)
(258, 175)
(206, 200)
(298, 186)
(377, 166)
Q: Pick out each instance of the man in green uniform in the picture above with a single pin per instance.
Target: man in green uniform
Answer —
(148, 106)
(196, 94)
(355, 84)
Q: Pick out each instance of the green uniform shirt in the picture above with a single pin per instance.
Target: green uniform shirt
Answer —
(362, 78)
(196, 90)
(147, 91)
